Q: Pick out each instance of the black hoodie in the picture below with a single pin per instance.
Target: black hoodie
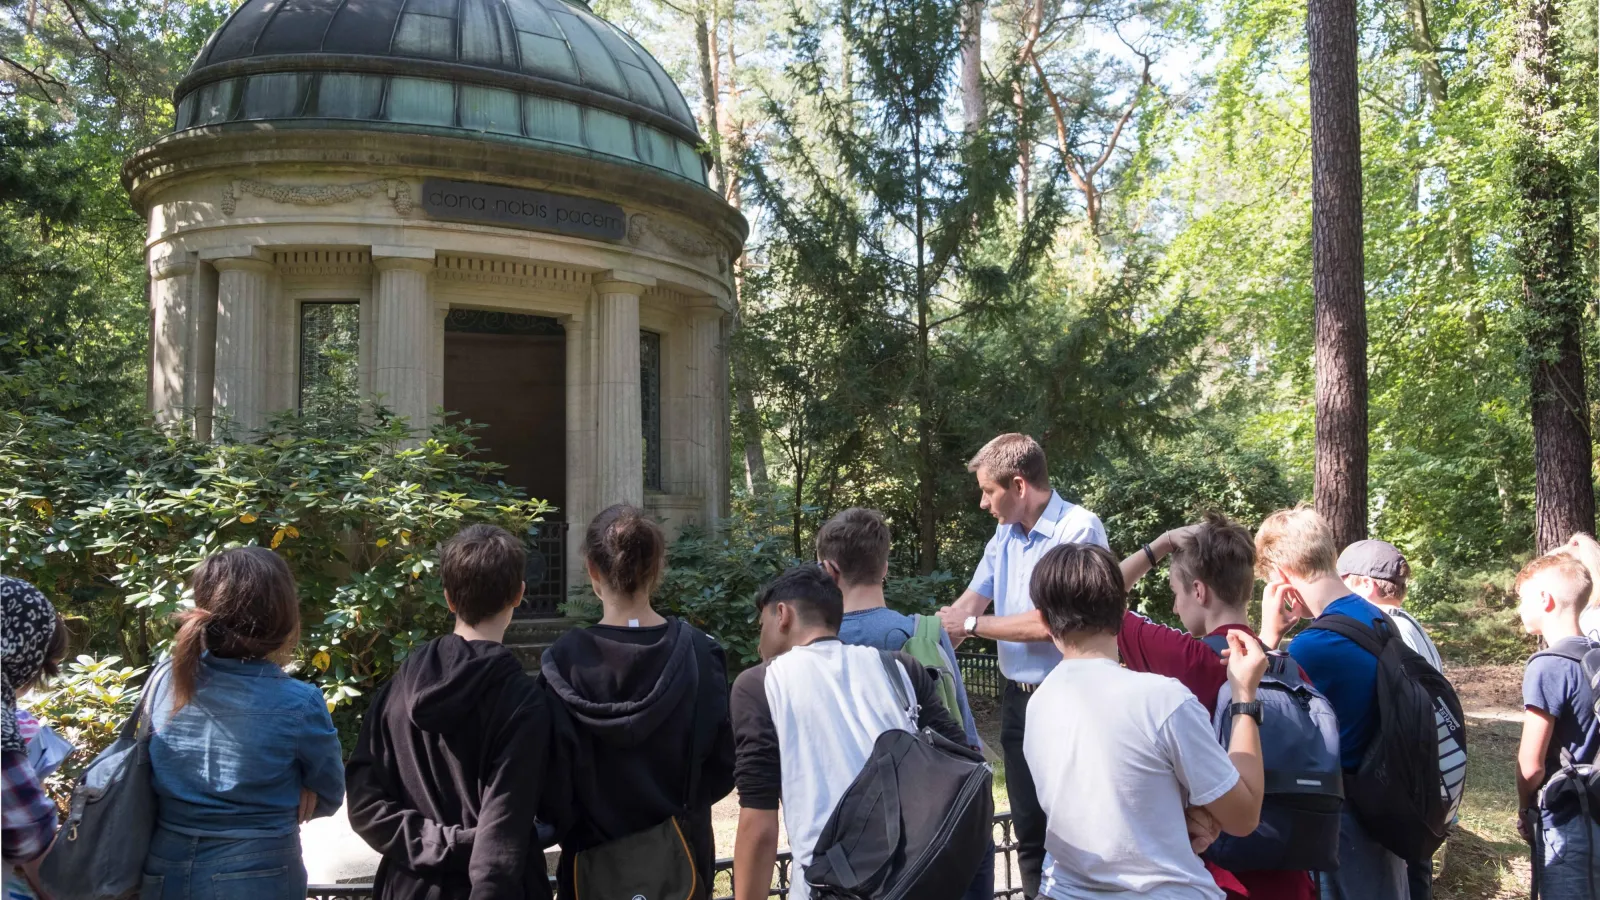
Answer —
(451, 767)
(631, 700)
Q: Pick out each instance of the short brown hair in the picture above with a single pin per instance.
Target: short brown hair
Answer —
(1012, 456)
(626, 548)
(1296, 540)
(482, 569)
(1079, 588)
(1573, 576)
(857, 541)
(1219, 554)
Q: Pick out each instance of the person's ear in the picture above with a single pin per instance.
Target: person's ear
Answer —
(1547, 601)
(1021, 485)
(1202, 594)
(830, 567)
(450, 603)
(785, 614)
(522, 591)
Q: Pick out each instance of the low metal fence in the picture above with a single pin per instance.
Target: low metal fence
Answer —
(980, 672)
(1008, 878)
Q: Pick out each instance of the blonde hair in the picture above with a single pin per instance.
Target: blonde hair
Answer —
(1298, 541)
(1568, 580)
(1012, 456)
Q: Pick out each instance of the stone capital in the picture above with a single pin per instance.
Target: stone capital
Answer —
(242, 264)
(174, 266)
(620, 281)
(415, 259)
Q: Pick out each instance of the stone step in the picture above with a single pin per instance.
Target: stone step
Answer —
(527, 639)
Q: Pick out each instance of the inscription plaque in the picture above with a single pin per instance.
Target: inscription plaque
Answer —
(464, 201)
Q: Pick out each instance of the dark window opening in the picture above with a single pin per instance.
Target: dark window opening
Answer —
(650, 406)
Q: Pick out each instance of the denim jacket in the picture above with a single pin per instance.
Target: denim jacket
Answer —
(232, 762)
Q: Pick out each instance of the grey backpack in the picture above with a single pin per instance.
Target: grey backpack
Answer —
(99, 851)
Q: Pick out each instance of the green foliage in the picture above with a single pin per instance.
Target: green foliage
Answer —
(86, 705)
(110, 520)
(1172, 483)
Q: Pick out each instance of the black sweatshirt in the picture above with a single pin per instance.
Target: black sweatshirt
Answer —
(630, 700)
(449, 771)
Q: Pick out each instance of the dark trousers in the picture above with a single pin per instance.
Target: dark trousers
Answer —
(1419, 876)
(1027, 818)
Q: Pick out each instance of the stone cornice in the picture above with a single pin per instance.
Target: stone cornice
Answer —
(322, 262)
(513, 274)
(366, 149)
(317, 194)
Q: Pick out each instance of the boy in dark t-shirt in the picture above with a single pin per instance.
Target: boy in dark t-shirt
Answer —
(1558, 721)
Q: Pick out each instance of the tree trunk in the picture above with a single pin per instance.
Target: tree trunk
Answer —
(705, 50)
(1552, 285)
(1340, 488)
(972, 65)
(1024, 153)
(1433, 85)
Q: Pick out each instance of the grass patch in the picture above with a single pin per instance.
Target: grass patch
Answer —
(1485, 858)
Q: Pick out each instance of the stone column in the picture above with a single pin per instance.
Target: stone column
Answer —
(403, 350)
(580, 419)
(619, 434)
(203, 348)
(171, 337)
(239, 392)
(705, 439)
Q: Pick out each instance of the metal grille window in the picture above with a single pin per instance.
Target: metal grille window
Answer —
(650, 406)
(330, 350)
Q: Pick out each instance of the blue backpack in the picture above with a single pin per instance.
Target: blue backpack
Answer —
(1299, 830)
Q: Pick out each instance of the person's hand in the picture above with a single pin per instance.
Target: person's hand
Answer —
(308, 804)
(1281, 607)
(953, 621)
(30, 874)
(1525, 824)
(1168, 541)
(1247, 662)
(1203, 828)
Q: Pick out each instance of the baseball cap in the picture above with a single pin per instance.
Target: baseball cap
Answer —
(1374, 559)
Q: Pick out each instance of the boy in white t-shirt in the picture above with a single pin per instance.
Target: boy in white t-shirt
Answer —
(1118, 755)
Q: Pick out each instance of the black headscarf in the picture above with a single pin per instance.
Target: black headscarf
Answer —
(27, 623)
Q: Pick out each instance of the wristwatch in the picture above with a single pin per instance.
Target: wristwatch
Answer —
(1251, 709)
(970, 626)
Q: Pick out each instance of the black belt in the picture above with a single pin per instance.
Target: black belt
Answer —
(1025, 688)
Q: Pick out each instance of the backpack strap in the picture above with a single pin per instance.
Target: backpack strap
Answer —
(1217, 642)
(1365, 636)
(693, 786)
(897, 681)
(1561, 653)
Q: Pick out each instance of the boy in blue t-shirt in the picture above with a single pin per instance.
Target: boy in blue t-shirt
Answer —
(1297, 557)
(853, 548)
(1558, 718)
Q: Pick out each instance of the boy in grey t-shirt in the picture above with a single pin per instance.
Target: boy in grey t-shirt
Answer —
(853, 548)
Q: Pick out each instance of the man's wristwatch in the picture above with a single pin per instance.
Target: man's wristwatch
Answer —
(1251, 709)
(970, 626)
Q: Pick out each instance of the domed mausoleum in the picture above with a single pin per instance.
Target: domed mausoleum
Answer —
(494, 207)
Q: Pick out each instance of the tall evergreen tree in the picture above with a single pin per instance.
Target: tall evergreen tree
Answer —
(1340, 485)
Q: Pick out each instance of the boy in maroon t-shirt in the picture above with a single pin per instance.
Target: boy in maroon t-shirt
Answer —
(1212, 578)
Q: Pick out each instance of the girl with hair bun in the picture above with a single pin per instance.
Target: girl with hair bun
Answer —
(240, 753)
(642, 717)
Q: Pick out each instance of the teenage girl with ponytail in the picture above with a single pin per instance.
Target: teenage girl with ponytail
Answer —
(241, 753)
(643, 712)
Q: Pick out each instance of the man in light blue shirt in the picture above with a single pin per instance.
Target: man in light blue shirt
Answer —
(1033, 519)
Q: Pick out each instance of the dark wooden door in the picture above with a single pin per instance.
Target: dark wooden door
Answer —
(508, 373)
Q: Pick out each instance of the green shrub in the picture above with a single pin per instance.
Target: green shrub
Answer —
(85, 705)
(109, 520)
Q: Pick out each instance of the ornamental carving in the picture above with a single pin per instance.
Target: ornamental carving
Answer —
(679, 239)
(399, 193)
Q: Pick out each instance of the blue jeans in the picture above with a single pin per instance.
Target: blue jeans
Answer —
(982, 887)
(180, 867)
(1367, 871)
(1571, 859)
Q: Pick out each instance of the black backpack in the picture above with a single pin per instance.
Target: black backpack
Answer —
(1410, 780)
(913, 825)
(1299, 830)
